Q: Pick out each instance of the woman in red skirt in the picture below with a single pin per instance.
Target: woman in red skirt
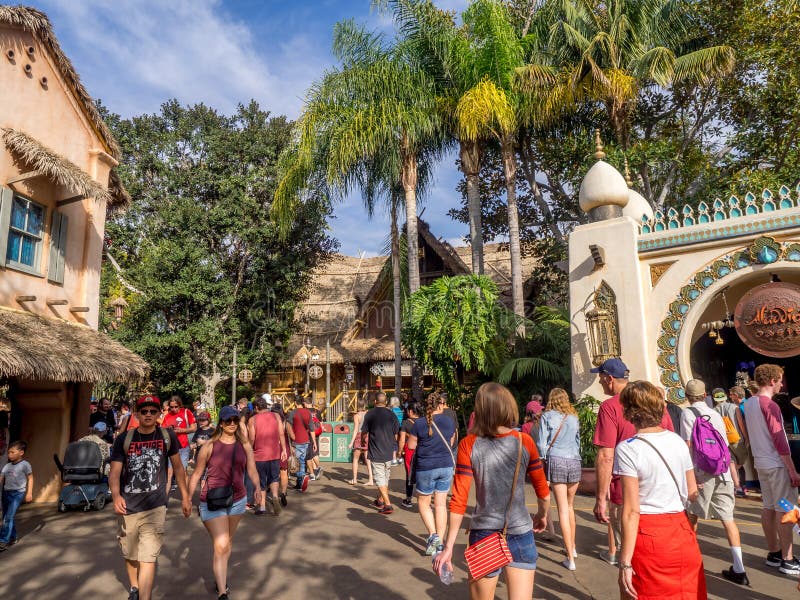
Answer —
(660, 558)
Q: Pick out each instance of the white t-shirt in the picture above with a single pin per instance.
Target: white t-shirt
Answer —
(657, 491)
(687, 424)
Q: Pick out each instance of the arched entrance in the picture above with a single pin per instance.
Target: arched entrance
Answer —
(715, 359)
(681, 326)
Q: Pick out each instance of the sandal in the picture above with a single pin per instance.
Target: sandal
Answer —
(352, 482)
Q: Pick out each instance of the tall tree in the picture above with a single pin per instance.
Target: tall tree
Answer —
(199, 245)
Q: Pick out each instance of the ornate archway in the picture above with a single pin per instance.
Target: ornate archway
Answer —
(683, 313)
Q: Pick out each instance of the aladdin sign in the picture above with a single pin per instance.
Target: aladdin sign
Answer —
(767, 319)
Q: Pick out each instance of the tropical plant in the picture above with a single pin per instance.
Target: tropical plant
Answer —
(457, 322)
(587, 420)
(612, 50)
(548, 343)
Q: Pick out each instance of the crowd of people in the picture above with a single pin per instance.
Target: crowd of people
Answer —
(660, 470)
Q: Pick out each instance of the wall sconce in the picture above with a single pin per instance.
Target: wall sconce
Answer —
(602, 326)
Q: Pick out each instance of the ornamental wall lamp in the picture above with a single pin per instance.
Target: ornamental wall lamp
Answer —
(715, 328)
(602, 325)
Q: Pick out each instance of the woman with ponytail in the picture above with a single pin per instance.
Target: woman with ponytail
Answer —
(433, 437)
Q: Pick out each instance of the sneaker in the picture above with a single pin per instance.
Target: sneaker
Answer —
(609, 558)
(407, 503)
(774, 559)
(276, 505)
(790, 567)
(3, 546)
(12, 541)
(740, 493)
(318, 473)
(223, 597)
(260, 512)
(740, 578)
(304, 485)
(133, 594)
(432, 544)
(284, 501)
(378, 503)
(312, 477)
(568, 564)
(386, 510)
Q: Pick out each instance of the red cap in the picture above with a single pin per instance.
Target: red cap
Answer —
(148, 400)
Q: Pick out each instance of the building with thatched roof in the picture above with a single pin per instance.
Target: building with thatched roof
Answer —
(57, 182)
(350, 308)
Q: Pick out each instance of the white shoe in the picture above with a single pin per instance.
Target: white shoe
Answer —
(574, 553)
(568, 564)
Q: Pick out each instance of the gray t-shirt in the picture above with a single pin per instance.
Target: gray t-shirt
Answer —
(16, 476)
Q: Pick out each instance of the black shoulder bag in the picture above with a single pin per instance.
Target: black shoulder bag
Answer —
(221, 498)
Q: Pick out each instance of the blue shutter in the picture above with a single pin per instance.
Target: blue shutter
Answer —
(58, 248)
(6, 200)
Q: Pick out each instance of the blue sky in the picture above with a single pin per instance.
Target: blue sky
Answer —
(135, 54)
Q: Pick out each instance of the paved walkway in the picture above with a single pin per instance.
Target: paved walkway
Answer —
(329, 544)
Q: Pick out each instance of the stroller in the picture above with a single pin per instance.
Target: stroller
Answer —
(82, 469)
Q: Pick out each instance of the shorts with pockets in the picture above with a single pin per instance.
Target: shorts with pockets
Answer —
(434, 480)
(269, 471)
(522, 548)
(715, 500)
(381, 473)
(140, 534)
(775, 484)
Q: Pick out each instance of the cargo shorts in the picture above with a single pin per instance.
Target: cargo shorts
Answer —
(140, 534)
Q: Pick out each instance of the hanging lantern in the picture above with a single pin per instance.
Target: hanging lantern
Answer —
(603, 340)
(119, 305)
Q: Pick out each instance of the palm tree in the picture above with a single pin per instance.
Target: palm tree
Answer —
(611, 50)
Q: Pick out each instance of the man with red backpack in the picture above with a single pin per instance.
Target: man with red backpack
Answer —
(704, 432)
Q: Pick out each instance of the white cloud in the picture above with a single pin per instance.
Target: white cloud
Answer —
(138, 53)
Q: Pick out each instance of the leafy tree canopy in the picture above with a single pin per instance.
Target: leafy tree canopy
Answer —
(200, 262)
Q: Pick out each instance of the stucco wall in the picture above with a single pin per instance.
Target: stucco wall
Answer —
(51, 115)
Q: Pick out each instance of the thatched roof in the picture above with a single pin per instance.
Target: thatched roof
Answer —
(36, 22)
(120, 198)
(40, 348)
(368, 350)
(54, 166)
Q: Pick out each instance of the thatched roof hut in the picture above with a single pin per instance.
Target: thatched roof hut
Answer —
(41, 348)
(346, 291)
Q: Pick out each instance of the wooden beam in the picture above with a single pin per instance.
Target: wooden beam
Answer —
(22, 299)
(77, 198)
(79, 309)
(24, 177)
(53, 302)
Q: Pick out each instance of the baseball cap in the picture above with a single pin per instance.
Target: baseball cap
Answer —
(267, 398)
(228, 412)
(148, 400)
(614, 367)
(100, 427)
(695, 387)
(203, 416)
(719, 395)
(533, 407)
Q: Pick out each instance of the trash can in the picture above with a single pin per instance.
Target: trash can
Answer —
(325, 443)
(342, 433)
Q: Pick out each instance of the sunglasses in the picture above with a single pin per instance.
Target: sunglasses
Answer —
(231, 421)
(149, 411)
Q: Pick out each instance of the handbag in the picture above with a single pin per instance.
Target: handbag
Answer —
(220, 498)
(492, 553)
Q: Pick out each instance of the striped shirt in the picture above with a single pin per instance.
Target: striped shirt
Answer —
(491, 463)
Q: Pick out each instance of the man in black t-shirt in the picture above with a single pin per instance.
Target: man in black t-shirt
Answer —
(138, 482)
(105, 415)
(382, 426)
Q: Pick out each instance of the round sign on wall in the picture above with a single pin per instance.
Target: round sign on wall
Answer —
(245, 375)
(315, 371)
(767, 319)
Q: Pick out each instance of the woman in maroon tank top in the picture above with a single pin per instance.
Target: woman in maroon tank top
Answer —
(227, 455)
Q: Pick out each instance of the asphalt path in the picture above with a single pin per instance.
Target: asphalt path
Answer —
(330, 544)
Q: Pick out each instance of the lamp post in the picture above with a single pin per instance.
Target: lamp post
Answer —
(314, 358)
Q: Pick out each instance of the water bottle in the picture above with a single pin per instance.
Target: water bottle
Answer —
(792, 514)
(446, 573)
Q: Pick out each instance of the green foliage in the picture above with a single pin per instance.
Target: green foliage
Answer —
(199, 245)
(587, 420)
(457, 321)
(547, 350)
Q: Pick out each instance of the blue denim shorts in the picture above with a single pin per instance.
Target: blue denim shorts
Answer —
(434, 480)
(236, 509)
(521, 546)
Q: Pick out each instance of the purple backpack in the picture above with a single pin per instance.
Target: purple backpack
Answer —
(709, 450)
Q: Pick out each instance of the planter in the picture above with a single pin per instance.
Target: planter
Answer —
(588, 484)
